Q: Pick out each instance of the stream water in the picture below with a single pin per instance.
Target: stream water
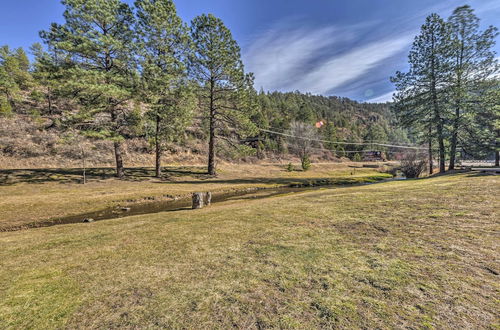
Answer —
(181, 204)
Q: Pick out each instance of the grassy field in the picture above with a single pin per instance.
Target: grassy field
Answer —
(403, 254)
(28, 196)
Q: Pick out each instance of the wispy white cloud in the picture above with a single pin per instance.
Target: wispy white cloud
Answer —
(387, 97)
(287, 52)
(279, 55)
(348, 60)
(339, 70)
(317, 60)
(485, 6)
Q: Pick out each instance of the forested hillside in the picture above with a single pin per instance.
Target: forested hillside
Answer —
(120, 83)
(35, 127)
(342, 120)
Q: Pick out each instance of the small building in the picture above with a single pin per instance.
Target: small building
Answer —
(374, 156)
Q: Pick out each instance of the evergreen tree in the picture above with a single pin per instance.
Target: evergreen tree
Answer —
(473, 62)
(48, 72)
(164, 44)
(421, 92)
(226, 92)
(14, 77)
(330, 134)
(481, 137)
(8, 87)
(305, 113)
(98, 38)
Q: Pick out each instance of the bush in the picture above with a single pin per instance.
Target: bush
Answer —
(413, 165)
(306, 163)
(5, 108)
(290, 168)
(357, 157)
(392, 170)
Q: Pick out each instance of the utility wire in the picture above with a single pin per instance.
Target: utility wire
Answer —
(344, 143)
(281, 130)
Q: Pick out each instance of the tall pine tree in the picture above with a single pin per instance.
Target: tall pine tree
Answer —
(164, 49)
(421, 92)
(225, 90)
(473, 62)
(97, 37)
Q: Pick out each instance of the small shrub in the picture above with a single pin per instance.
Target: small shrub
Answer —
(306, 163)
(413, 165)
(5, 108)
(357, 157)
(290, 168)
(392, 170)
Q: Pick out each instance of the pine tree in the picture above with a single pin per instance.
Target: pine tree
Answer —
(473, 62)
(7, 89)
(226, 91)
(481, 135)
(97, 37)
(14, 77)
(164, 48)
(421, 92)
(8, 86)
(48, 72)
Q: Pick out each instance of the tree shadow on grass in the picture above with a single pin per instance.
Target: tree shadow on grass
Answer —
(176, 174)
(480, 174)
(75, 175)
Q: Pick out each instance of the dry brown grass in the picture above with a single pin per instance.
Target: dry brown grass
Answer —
(405, 254)
(28, 196)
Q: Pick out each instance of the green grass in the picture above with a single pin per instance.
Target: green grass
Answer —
(357, 257)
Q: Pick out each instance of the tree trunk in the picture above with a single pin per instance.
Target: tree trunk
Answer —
(454, 134)
(158, 147)
(431, 162)
(442, 167)
(84, 167)
(49, 101)
(211, 149)
(497, 158)
(211, 144)
(453, 148)
(458, 101)
(454, 139)
(120, 173)
(436, 111)
(437, 118)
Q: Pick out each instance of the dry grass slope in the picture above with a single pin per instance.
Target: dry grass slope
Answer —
(417, 254)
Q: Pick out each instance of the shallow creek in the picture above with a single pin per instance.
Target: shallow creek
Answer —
(181, 204)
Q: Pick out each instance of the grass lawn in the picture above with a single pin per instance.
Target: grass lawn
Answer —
(28, 196)
(405, 254)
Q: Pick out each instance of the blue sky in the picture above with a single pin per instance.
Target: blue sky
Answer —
(330, 47)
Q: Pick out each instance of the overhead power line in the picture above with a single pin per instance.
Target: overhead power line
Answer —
(281, 130)
(344, 143)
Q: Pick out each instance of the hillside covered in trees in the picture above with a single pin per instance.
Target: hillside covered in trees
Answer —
(127, 83)
(34, 128)
(131, 83)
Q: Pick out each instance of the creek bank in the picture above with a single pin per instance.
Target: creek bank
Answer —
(177, 203)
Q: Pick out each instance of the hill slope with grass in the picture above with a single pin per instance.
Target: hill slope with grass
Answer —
(33, 136)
